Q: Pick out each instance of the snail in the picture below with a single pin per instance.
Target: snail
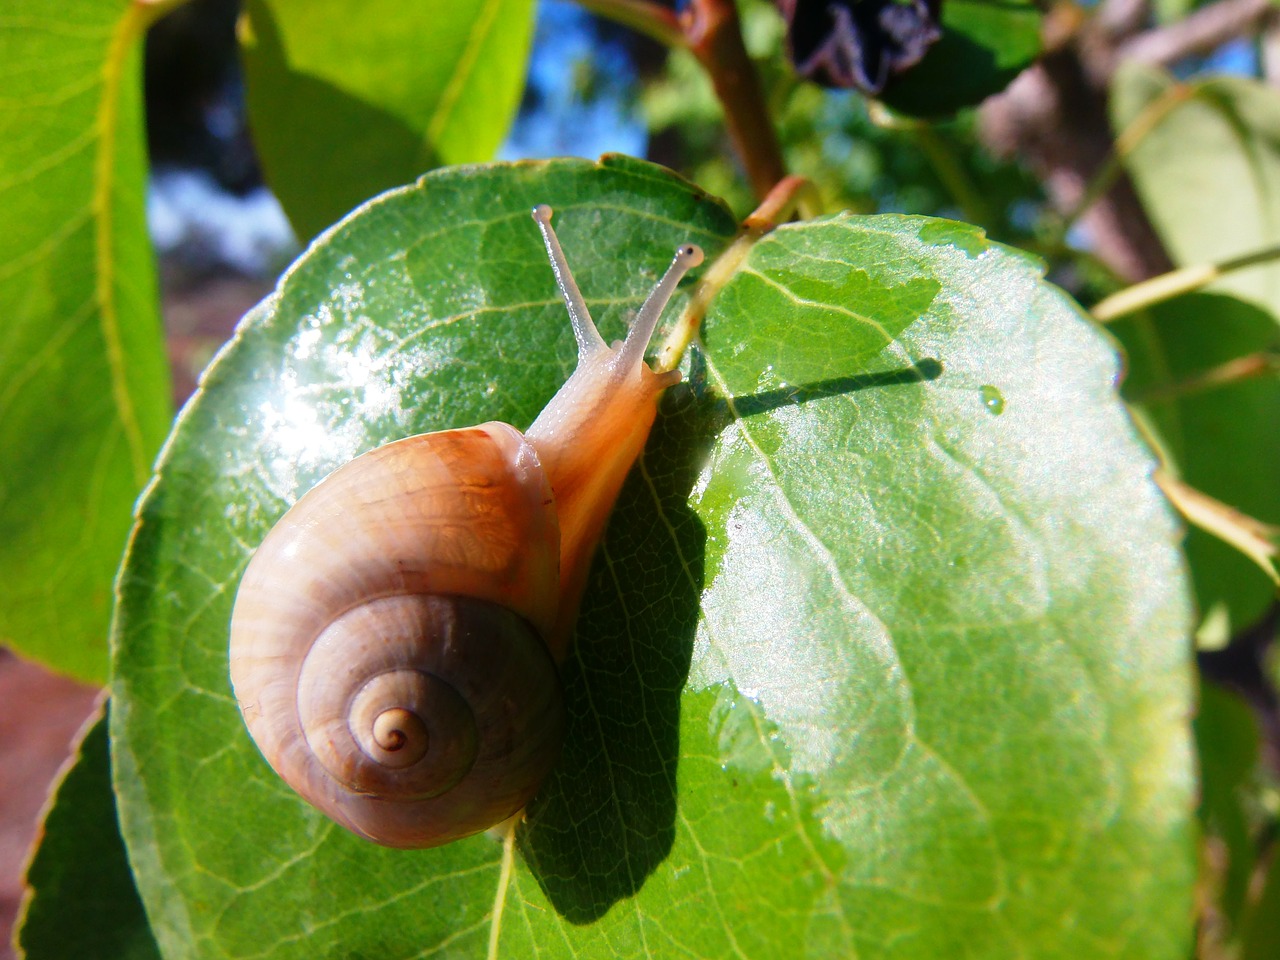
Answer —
(396, 639)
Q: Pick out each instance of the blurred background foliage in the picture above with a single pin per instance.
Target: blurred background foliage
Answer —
(595, 86)
(1043, 166)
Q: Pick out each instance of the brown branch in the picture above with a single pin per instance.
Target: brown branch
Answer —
(1147, 119)
(1201, 32)
(1121, 18)
(1054, 115)
(714, 34)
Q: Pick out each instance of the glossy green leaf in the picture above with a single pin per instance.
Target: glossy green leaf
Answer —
(347, 101)
(84, 397)
(984, 45)
(1208, 172)
(884, 654)
(1220, 438)
(81, 900)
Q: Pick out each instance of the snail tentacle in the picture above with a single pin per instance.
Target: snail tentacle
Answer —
(396, 638)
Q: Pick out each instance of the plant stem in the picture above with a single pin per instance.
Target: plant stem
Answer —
(1255, 539)
(506, 831)
(712, 32)
(1054, 250)
(1175, 283)
(941, 157)
(714, 35)
(792, 195)
(643, 16)
(1233, 371)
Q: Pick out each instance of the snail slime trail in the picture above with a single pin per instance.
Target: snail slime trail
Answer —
(396, 638)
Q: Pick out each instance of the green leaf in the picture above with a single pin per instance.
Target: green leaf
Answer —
(81, 900)
(984, 45)
(1221, 438)
(1208, 172)
(84, 397)
(868, 662)
(1262, 933)
(349, 101)
(1227, 743)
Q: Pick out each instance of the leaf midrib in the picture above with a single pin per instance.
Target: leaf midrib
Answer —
(129, 30)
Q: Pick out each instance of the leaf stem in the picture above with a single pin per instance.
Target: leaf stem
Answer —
(643, 16)
(714, 33)
(951, 172)
(1175, 283)
(507, 830)
(1255, 539)
(1224, 375)
(129, 31)
(792, 195)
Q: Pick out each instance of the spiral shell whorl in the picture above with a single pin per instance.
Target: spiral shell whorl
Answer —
(475, 680)
(388, 643)
(377, 668)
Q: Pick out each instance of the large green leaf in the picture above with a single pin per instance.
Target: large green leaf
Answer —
(84, 397)
(347, 101)
(885, 651)
(1208, 172)
(1221, 438)
(82, 902)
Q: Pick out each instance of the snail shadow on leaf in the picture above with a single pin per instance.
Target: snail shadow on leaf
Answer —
(605, 819)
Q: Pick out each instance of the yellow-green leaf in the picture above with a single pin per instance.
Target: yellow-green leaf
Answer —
(84, 394)
(349, 100)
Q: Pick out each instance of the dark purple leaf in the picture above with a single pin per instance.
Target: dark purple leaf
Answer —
(858, 43)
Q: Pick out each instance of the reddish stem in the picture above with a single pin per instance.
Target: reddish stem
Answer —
(642, 16)
(714, 35)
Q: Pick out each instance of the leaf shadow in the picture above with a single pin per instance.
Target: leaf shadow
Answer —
(324, 151)
(606, 818)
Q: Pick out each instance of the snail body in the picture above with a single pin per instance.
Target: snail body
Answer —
(395, 639)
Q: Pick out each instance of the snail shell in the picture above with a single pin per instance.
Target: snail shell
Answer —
(396, 638)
